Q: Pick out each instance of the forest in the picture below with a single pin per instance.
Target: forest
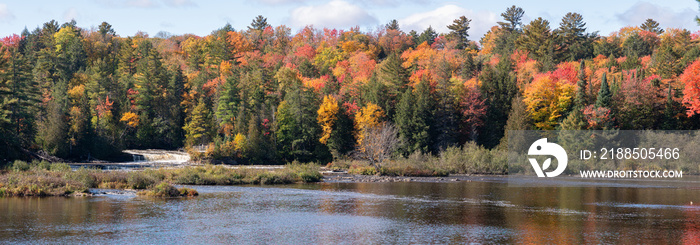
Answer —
(262, 95)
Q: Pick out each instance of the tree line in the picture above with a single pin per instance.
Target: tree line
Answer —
(265, 95)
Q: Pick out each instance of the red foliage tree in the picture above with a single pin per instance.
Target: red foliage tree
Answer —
(691, 93)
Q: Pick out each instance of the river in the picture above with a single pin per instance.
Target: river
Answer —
(477, 209)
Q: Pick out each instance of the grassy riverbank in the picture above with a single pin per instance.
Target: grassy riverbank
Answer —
(468, 159)
(57, 179)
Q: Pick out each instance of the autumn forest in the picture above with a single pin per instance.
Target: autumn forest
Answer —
(263, 94)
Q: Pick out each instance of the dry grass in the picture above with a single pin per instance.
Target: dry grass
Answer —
(44, 179)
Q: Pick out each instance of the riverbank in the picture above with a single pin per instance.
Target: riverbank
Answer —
(342, 177)
(58, 179)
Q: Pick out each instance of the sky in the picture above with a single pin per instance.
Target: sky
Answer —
(176, 17)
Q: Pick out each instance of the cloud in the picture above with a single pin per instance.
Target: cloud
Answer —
(363, 2)
(443, 16)
(145, 3)
(278, 2)
(334, 14)
(179, 3)
(70, 14)
(5, 14)
(666, 16)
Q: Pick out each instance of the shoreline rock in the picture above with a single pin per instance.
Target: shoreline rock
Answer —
(339, 177)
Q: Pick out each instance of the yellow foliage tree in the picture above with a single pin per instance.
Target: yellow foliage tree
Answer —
(547, 99)
(239, 142)
(369, 117)
(327, 115)
(131, 119)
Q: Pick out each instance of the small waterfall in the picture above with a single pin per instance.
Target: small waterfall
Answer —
(160, 156)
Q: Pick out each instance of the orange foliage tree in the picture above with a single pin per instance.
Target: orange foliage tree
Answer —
(547, 99)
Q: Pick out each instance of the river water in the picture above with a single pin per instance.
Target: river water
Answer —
(478, 209)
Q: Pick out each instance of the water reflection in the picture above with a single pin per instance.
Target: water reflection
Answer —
(490, 211)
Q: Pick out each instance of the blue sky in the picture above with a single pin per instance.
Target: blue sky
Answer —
(201, 17)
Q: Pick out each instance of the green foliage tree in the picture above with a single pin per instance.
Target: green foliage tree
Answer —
(392, 25)
(651, 25)
(198, 127)
(259, 23)
(428, 35)
(604, 98)
(413, 120)
(540, 42)
(574, 39)
(499, 88)
(513, 18)
(459, 30)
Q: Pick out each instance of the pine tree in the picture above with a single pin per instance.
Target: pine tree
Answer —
(412, 120)
(469, 67)
(259, 23)
(573, 38)
(392, 25)
(670, 122)
(298, 132)
(518, 119)
(512, 17)
(604, 95)
(652, 26)
(52, 135)
(228, 105)
(446, 123)
(499, 88)
(198, 127)
(459, 30)
(428, 35)
(581, 99)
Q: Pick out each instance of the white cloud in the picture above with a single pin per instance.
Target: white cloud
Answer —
(70, 14)
(443, 16)
(5, 14)
(278, 2)
(363, 2)
(179, 3)
(129, 3)
(666, 16)
(334, 14)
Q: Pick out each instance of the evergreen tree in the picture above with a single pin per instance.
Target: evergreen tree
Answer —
(413, 120)
(297, 131)
(469, 67)
(459, 30)
(428, 35)
(512, 17)
(635, 46)
(499, 87)
(445, 118)
(604, 95)
(392, 25)
(198, 127)
(652, 26)
(52, 136)
(259, 23)
(670, 121)
(575, 42)
(228, 105)
(581, 99)
(540, 42)
(518, 119)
